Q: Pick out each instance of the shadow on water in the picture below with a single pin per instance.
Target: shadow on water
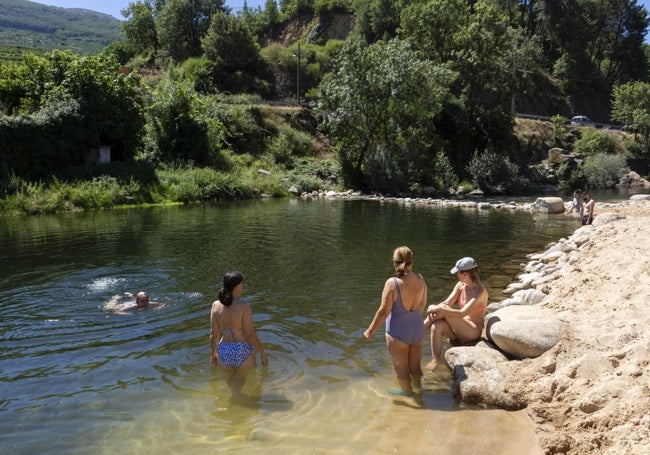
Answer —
(314, 270)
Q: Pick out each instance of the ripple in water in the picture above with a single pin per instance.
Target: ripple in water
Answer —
(142, 382)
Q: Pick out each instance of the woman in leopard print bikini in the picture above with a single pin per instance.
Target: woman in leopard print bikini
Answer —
(235, 348)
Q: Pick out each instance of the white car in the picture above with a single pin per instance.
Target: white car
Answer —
(581, 120)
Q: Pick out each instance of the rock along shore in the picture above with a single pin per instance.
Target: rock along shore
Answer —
(571, 342)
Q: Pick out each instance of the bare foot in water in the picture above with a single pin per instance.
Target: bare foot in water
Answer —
(431, 366)
(416, 383)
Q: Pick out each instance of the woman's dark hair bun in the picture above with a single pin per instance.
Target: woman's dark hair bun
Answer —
(230, 280)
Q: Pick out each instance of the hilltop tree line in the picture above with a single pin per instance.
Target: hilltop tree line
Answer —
(420, 94)
(29, 25)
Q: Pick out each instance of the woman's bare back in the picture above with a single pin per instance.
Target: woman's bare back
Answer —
(231, 320)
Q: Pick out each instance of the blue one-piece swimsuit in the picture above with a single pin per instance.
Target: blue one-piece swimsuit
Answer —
(406, 326)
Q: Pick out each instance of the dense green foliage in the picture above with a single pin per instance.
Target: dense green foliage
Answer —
(593, 142)
(417, 95)
(32, 26)
(604, 170)
(379, 105)
(631, 105)
(60, 106)
(494, 173)
(112, 185)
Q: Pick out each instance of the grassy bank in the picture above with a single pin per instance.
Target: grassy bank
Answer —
(128, 184)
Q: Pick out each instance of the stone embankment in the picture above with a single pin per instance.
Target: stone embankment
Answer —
(518, 327)
(471, 203)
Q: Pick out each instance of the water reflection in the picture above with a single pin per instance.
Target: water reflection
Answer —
(142, 383)
(237, 402)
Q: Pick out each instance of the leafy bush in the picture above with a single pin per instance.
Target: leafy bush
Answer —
(33, 145)
(383, 171)
(307, 183)
(32, 198)
(61, 105)
(494, 173)
(280, 149)
(202, 184)
(312, 175)
(593, 141)
(175, 131)
(102, 192)
(288, 144)
(246, 131)
(603, 170)
(633, 148)
(571, 176)
(559, 129)
(445, 176)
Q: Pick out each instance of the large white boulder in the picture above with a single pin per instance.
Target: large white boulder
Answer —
(551, 205)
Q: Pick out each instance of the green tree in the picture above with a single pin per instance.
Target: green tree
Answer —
(483, 60)
(378, 105)
(271, 13)
(292, 8)
(182, 24)
(631, 105)
(178, 132)
(433, 27)
(618, 48)
(109, 104)
(593, 141)
(377, 19)
(236, 64)
(494, 173)
(604, 170)
(36, 145)
(593, 44)
(139, 26)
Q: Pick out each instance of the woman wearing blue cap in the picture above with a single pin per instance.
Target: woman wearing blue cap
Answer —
(465, 322)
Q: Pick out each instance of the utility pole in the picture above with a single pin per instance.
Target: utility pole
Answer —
(513, 108)
(298, 76)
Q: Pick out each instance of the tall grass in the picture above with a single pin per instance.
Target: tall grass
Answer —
(166, 185)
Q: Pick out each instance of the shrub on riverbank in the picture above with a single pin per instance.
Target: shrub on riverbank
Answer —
(125, 184)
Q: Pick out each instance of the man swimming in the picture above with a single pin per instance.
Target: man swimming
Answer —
(141, 302)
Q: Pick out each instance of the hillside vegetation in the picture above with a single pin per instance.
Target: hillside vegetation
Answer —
(412, 97)
(29, 26)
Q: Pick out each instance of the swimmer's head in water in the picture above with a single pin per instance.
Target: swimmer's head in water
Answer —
(142, 300)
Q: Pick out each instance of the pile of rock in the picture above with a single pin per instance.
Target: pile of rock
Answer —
(633, 180)
(518, 327)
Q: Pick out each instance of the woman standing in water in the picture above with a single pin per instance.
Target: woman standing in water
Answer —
(465, 322)
(233, 340)
(402, 303)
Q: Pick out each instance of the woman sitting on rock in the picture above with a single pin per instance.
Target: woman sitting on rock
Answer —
(464, 323)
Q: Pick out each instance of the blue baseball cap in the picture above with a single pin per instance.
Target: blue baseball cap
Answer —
(464, 264)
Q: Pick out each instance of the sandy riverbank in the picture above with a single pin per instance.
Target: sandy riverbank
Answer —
(590, 394)
(595, 397)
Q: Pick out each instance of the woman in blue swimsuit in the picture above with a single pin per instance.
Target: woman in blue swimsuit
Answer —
(233, 340)
(402, 303)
